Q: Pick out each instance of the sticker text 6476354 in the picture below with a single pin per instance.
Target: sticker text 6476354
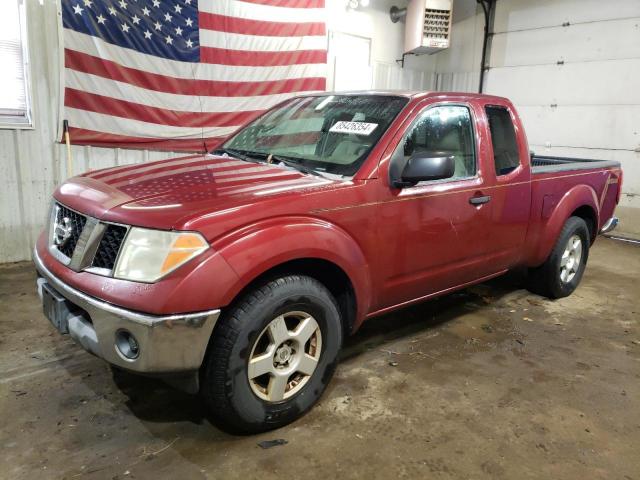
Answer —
(357, 128)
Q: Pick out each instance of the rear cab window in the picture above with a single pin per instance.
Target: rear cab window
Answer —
(503, 137)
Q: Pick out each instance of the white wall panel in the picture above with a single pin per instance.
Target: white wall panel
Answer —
(11, 213)
(458, 81)
(392, 77)
(610, 127)
(457, 68)
(461, 56)
(576, 43)
(529, 14)
(584, 83)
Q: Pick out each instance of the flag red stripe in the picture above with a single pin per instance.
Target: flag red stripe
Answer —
(85, 63)
(216, 26)
(82, 136)
(222, 56)
(289, 139)
(222, 23)
(140, 175)
(120, 169)
(289, 3)
(135, 111)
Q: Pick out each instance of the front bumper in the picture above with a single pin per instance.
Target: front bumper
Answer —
(167, 344)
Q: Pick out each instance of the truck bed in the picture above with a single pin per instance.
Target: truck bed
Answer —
(543, 164)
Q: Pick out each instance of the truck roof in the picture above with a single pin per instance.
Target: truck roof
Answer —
(414, 94)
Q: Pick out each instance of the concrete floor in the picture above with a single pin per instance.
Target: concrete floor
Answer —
(629, 225)
(492, 382)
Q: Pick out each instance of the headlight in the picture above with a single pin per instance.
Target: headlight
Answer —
(148, 255)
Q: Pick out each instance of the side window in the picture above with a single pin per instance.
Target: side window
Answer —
(503, 138)
(15, 99)
(447, 129)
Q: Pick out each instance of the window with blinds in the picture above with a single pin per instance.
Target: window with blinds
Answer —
(15, 109)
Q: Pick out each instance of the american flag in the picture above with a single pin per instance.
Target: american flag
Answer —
(183, 74)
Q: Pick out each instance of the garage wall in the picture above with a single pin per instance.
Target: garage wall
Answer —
(387, 43)
(32, 164)
(457, 68)
(572, 67)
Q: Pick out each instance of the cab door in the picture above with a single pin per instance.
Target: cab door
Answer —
(509, 181)
(434, 235)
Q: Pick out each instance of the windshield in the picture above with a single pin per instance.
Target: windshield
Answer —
(331, 133)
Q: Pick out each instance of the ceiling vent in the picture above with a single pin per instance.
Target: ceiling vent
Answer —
(428, 26)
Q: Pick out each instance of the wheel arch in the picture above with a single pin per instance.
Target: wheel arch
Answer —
(334, 278)
(590, 216)
(580, 201)
(304, 246)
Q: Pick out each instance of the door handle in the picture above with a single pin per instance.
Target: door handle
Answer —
(480, 200)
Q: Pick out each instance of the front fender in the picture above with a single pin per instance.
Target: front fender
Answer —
(256, 248)
(554, 215)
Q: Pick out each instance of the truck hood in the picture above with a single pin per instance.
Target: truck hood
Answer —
(168, 193)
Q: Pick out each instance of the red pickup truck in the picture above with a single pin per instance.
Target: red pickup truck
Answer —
(237, 274)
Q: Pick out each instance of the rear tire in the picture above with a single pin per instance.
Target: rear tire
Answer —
(284, 325)
(561, 273)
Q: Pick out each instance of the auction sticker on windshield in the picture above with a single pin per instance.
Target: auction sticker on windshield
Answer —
(357, 128)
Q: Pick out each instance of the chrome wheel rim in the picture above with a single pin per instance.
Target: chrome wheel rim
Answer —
(570, 261)
(284, 356)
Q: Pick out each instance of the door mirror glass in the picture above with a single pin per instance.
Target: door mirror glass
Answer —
(425, 166)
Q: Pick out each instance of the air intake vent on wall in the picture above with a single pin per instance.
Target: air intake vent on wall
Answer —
(428, 26)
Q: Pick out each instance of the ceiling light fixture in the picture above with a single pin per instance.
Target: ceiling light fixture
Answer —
(355, 4)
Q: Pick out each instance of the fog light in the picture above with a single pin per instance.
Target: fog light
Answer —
(127, 344)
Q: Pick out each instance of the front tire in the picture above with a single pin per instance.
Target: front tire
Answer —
(561, 273)
(272, 355)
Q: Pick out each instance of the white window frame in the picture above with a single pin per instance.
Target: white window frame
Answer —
(20, 122)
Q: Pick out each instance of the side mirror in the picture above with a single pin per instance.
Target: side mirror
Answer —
(426, 166)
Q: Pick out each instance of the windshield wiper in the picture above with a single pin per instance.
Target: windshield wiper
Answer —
(261, 157)
(242, 155)
(295, 163)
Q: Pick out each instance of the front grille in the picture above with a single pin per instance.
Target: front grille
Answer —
(99, 247)
(109, 247)
(75, 223)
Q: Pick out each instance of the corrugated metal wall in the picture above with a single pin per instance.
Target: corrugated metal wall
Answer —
(389, 76)
(32, 164)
